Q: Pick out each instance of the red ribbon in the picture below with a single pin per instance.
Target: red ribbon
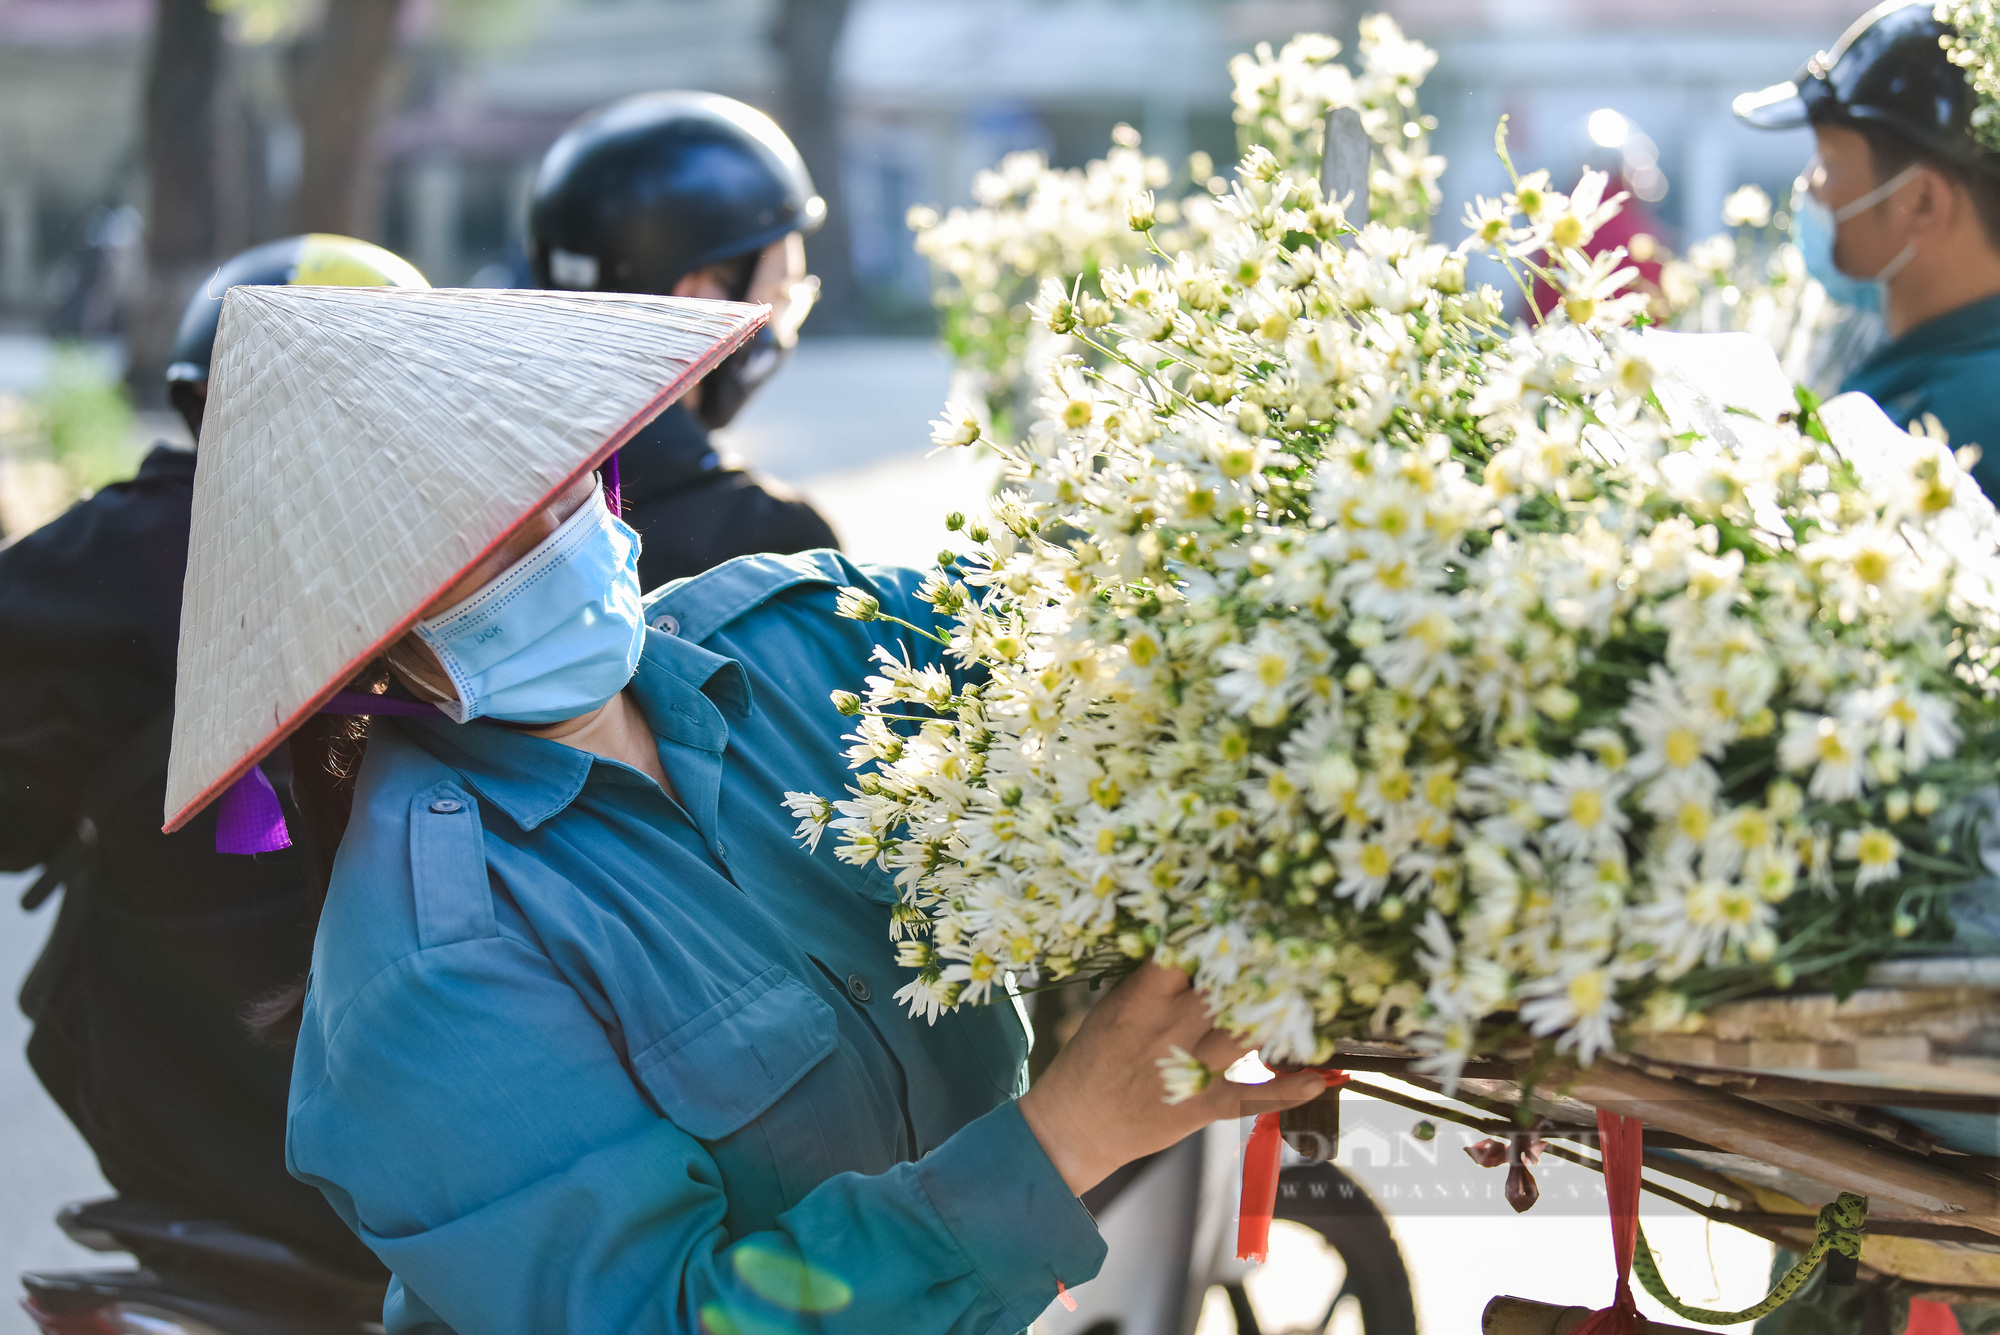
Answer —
(1931, 1318)
(1260, 1178)
(1621, 1145)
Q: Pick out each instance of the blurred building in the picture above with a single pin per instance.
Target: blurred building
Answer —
(932, 91)
(70, 77)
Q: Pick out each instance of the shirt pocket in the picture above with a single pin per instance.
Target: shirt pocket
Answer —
(731, 1063)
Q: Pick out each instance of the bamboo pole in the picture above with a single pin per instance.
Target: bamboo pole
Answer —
(1737, 1126)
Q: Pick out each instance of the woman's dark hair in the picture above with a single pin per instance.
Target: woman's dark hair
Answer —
(326, 755)
(1890, 152)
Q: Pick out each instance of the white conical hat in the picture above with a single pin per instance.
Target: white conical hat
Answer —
(362, 449)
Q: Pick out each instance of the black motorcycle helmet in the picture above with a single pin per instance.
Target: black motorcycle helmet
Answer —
(638, 195)
(316, 259)
(1888, 71)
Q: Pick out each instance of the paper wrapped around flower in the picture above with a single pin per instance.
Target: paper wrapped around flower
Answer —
(1402, 674)
(364, 448)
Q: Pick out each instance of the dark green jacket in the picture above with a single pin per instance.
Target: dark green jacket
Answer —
(1948, 367)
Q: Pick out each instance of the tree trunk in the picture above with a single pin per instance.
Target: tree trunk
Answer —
(807, 33)
(337, 78)
(183, 77)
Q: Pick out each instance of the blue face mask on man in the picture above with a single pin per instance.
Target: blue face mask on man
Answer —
(557, 635)
(1815, 228)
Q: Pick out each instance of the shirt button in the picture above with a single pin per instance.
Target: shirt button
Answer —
(667, 623)
(446, 806)
(857, 987)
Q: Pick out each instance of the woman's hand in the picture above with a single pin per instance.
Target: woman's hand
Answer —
(1101, 1104)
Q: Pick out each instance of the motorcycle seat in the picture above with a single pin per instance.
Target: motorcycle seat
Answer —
(220, 1254)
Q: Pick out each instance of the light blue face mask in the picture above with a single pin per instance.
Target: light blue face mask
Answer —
(557, 635)
(1815, 226)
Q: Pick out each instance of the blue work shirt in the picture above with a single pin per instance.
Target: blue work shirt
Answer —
(1948, 367)
(579, 1057)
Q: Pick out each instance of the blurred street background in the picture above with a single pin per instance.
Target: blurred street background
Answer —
(141, 141)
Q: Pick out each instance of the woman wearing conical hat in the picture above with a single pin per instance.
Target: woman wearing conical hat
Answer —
(590, 1044)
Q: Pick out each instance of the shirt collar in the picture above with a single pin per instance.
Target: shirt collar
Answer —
(532, 778)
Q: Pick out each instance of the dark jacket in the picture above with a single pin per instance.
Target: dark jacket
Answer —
(694, 513)
(1950, 368)
(160, 942)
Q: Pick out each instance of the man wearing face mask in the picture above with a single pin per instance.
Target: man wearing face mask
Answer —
(690, 195)
(1904, 199)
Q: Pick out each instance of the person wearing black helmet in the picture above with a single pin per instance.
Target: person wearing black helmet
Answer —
(693, 195)
(160, 944)
(1911, 199)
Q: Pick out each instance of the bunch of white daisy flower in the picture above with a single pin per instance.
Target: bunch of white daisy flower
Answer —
(1282, 100)
(1400, 673)
(1031, 223)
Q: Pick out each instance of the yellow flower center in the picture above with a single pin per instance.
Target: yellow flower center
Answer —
(1876, 848)
(1586, 808)
(1567, 231)
(1693, 820)
(1872, 565)
(1394, 785)
(1682, 748)
(1271, 669)
(1753, 829)
(1374, 860)
(1588, 992)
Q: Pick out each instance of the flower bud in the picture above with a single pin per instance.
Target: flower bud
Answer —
(1251, 420)
(1451, 275)
(846, 702)
(1140, 214)
(1558, 702)
(1904, 924)
(1927, 800)
(855, 605)
(955, 520)
(1896, 805)
(1785, 799)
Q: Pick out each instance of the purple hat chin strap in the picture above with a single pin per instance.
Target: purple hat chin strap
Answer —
(249, 818)
(612, 499)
